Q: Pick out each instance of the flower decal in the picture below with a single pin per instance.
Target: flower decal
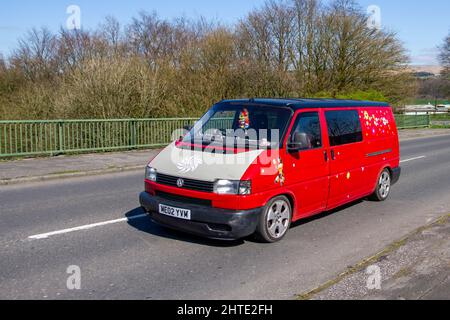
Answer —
(189, 164)
(280, 179)
(377, 123)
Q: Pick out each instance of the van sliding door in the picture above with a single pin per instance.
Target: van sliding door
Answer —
(346, 156)
(307, 168)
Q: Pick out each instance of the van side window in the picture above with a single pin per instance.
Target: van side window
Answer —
(307, 131)
(344, 127)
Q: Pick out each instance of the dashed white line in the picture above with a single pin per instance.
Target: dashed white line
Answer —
(413, 159)
(86, 227)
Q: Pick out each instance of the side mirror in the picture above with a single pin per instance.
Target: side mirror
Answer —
(299, 142)
(188, 127)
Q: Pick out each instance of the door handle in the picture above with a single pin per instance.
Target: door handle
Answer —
(333, 156)
(325, 154)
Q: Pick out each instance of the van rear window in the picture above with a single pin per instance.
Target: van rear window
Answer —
(344, 127)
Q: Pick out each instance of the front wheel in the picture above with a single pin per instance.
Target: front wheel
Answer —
(275, 220)
(383, 186)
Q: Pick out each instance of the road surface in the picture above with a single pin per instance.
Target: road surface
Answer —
(95, 223)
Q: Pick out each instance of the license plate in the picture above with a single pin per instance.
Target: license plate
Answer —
(175, 212)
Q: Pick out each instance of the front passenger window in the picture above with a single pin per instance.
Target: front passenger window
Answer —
(307, 131)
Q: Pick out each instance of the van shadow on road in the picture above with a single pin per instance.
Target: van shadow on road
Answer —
(147, 225)
(327, 213)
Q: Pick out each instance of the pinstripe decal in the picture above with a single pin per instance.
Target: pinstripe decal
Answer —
(379, 153)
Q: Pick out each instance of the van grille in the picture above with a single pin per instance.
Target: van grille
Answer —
(190, 184)
(182, 199)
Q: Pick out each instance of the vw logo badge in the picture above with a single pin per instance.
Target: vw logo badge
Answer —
(180, 183)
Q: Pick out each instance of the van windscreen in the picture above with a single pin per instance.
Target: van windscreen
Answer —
(244, 126)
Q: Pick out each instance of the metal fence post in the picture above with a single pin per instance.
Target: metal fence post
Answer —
(133, 143)
(61, 136)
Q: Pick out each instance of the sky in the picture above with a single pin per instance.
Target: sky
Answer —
(420, 25)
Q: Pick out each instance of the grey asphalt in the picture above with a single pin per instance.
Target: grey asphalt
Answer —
(419, 269)
(140, 260)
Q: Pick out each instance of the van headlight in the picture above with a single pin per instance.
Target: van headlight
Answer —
(233, 187)
(150, 174)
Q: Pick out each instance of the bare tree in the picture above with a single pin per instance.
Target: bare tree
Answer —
(280, 16)
(2, 63)
(444, 56)
(255, 38)
(75, 47)
(36, 54)
(150, 36)
(110, 30)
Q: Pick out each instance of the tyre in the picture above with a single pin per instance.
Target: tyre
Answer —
(275, 220)
(383, 188)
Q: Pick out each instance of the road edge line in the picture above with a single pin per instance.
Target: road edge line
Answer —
(308, 295)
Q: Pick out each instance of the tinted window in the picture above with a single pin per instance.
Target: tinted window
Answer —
(344, 127)
(307, 131)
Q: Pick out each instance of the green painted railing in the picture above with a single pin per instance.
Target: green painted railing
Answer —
(25, 138)
(412, 121)
(53, 137)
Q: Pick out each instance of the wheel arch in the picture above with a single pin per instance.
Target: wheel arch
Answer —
(383, 167)
(291, 198)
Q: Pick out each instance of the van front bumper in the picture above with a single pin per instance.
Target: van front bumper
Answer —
(213, 223)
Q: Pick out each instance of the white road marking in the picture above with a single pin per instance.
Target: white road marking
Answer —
(86, 227)
(412, 159)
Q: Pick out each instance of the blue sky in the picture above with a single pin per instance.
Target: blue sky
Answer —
(421, 25)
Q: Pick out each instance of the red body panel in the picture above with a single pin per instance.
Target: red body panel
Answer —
(313, 180)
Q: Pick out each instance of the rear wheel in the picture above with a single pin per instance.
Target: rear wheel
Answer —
(383, 186)
(275, 220)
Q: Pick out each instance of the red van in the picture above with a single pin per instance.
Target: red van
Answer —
(255, 166)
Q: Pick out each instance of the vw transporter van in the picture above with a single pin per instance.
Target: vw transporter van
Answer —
(255, 166)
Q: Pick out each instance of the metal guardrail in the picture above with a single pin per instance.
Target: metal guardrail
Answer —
(409, 121)
(53, 137)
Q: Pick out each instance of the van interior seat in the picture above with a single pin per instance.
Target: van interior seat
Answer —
(261, 122)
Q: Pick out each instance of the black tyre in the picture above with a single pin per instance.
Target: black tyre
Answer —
(383, 188)
(275, 220)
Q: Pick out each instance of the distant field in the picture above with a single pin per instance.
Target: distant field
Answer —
(425, 68)
(432, 101)
(426, 101)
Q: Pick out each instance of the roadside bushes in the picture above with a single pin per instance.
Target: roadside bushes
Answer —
(159, 68)
(114, 87)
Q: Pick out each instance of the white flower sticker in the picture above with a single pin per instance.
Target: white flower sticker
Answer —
(189, 164)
